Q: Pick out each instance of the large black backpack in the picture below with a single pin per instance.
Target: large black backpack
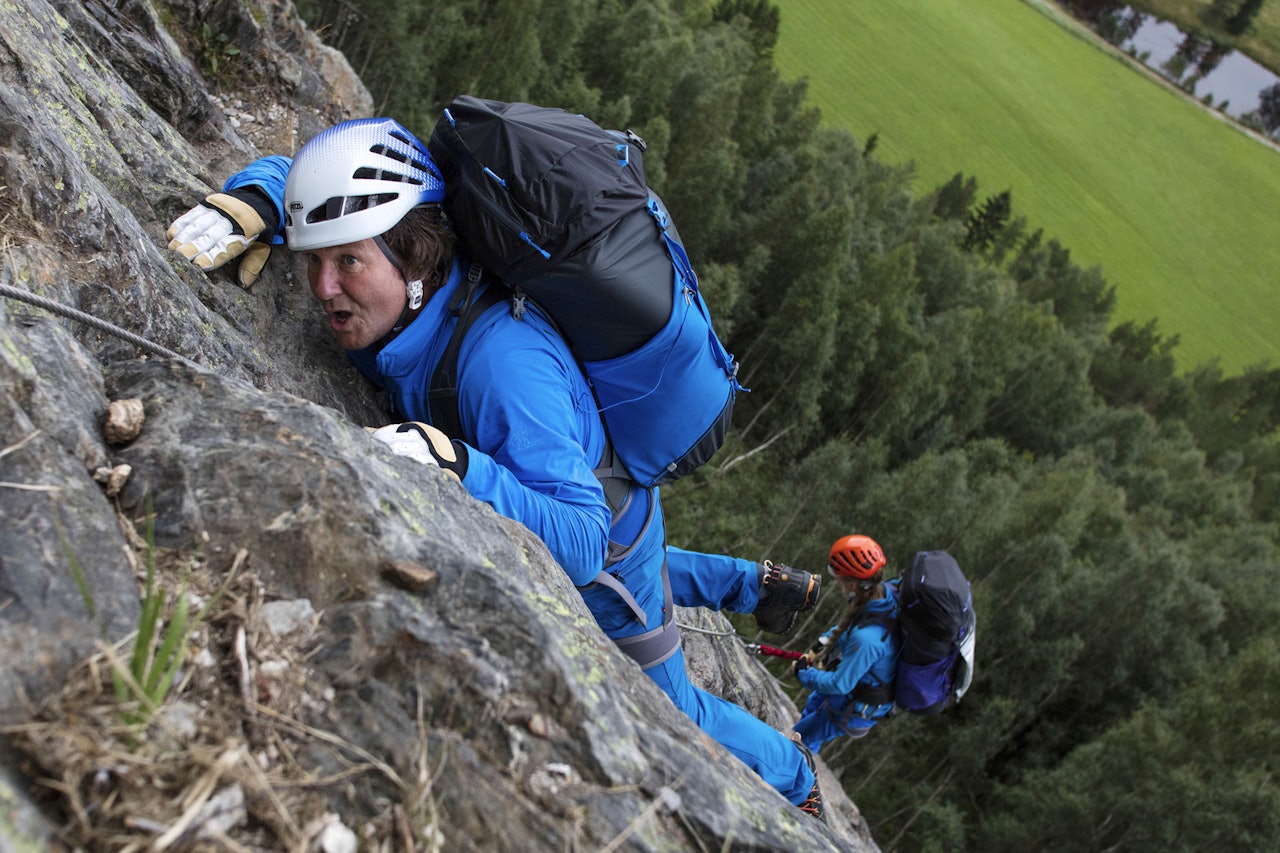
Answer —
(937, 625)
(558, 209)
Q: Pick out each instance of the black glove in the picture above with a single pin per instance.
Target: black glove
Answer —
(426, 444)
(799, 664)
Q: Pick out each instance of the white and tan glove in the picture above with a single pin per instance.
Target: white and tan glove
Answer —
(221, 228)
(426, 444)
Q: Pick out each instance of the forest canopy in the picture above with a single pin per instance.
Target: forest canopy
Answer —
(936, 372)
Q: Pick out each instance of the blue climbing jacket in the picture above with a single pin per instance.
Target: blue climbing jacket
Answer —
(268, 174)
(867, 656)
(530, 456)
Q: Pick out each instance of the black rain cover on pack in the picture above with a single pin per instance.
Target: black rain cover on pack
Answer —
(564, 181)
(938, 624)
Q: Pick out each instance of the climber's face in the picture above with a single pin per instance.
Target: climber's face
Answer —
(361, 291)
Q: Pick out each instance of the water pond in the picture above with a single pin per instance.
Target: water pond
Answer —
(1226, 79)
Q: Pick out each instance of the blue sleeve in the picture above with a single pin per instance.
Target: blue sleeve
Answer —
(267, 174)
(862, 648)
(537, 439)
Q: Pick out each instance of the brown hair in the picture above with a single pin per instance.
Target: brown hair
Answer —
(864, 592)
(424, 244)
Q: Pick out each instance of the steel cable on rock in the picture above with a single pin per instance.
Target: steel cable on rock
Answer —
(697, 630)
(90, 320)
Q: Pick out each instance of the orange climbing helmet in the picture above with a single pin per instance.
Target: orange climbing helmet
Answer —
(855, 557)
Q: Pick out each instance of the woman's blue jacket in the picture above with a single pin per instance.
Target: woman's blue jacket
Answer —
(868, 653)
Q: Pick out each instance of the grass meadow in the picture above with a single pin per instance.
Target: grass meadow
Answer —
(1179, 209)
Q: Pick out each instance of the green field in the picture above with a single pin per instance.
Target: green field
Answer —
(1179, 209)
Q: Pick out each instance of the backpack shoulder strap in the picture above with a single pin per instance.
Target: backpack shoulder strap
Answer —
(442, 398)
(876, 693)
(887, 621)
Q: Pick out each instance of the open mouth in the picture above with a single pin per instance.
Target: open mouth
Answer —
(340, 319)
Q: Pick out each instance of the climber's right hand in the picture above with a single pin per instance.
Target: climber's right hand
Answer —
(223, 227)
(818, 650)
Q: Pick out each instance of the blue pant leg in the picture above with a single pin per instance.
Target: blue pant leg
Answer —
(761, 747)
(815, 729)
(716, 581)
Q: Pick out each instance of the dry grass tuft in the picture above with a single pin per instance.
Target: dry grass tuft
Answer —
(215, 766)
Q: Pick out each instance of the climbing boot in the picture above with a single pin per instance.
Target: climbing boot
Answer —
(812, 805)
(785, 593)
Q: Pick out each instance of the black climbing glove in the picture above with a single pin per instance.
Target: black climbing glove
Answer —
(426, 444)
(799, 664)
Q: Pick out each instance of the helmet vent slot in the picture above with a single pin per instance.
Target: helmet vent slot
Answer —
(341, 206)
(402, 157)
(366, 173)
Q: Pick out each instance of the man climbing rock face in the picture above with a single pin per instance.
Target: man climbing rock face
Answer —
(362, 201)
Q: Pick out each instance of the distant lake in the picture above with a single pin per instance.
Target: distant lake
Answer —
(1231, 77)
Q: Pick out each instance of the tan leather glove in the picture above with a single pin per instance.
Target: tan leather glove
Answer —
(223, 227)
(426, 444)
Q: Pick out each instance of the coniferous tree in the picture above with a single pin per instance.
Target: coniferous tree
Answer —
(985, 224)
(1269, 108)
(954, 198)
(1243, 17)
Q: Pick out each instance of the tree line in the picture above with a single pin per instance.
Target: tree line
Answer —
(931, 369)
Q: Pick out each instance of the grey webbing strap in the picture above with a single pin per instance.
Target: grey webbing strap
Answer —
(656, 646)
(606, 579)
(619, 552)
(614, 480)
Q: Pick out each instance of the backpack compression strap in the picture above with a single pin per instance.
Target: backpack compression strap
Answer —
(442, 398)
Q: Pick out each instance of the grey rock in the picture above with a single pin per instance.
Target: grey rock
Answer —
(476, 659)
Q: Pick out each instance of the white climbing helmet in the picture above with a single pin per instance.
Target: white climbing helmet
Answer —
(356, 180)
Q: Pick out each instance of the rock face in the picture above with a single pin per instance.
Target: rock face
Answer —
(382, 660)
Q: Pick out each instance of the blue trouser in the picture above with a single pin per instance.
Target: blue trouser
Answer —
(761, 747)
(713, 580)
(701, 581)
(817, 725)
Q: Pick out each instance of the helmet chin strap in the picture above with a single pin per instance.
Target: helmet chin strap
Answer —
(413, 294)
